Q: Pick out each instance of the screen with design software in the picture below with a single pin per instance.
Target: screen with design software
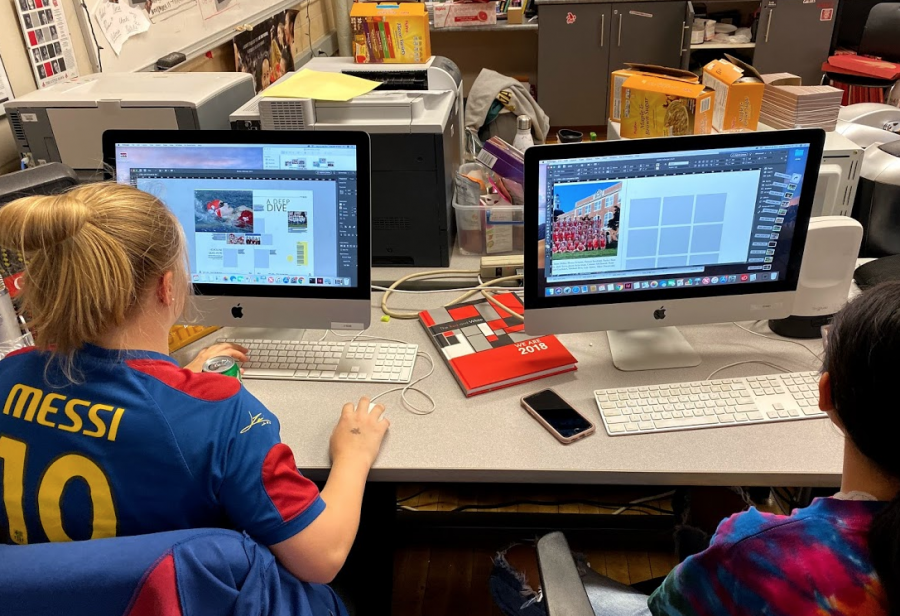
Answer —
(254, 213)
(641, 222)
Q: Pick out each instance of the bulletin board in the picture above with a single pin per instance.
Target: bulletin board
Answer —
(184, 29)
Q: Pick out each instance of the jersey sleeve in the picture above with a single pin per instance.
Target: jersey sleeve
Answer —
(262, 491)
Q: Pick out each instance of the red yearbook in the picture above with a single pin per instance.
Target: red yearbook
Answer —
(487, 348)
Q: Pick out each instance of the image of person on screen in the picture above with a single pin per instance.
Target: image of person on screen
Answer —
(223, 211)
(586, 220)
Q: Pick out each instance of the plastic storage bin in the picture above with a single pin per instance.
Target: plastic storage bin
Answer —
(490, 230)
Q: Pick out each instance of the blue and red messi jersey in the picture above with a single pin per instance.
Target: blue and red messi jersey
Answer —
(814, 562)
(205, 572)
(137, 445)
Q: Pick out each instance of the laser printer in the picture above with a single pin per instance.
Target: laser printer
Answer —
(65, 122)
(414, 120)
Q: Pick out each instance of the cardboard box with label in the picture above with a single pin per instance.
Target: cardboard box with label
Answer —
(739, 93)
(665, 102)
(390, 33)
(462, 14)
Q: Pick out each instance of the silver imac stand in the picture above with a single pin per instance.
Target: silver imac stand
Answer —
(651, 349)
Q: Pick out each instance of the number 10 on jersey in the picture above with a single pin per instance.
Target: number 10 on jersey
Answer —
(13, 458)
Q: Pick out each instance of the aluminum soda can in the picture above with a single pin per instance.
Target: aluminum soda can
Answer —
(223, 365)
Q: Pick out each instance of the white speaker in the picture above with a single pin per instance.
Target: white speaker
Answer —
(829, 259)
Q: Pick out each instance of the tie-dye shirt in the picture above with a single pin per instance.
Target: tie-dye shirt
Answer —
(814, 562)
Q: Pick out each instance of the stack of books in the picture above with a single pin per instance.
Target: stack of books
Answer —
(796, 106)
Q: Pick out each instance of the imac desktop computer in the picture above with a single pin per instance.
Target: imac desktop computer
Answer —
(277, 223)
(633, 237)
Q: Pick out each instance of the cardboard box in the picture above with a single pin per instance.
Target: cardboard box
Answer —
(461, 14)
(663, 102)
(390, 33)
(739, 92)
(618, 78)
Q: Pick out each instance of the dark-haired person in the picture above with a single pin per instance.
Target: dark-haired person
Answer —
(840, 555)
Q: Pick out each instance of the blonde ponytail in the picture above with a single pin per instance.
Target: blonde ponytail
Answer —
(92, 254)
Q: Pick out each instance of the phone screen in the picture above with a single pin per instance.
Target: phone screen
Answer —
(556, 412)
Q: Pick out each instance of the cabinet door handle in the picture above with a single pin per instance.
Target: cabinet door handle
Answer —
(602, 29)
(769, 23)
(683, 28)
(619, 42)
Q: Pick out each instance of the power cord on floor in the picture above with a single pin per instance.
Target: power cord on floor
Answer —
(618, 508)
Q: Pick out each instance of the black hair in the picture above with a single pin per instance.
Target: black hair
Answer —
(862, 359)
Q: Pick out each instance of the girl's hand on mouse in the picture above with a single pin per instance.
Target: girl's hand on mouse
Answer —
(359, 433)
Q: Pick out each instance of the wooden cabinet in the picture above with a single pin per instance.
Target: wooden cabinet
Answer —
(580, 44)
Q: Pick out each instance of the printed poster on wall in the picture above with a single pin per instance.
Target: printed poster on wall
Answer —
(267, 51)
(47, 39)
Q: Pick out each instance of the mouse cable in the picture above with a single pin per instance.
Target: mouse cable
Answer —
(404, 390)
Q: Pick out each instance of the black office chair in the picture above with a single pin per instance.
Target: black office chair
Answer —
(879, 38)
(567, 593)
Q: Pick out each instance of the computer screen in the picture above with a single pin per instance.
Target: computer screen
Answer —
(682, 223)
(259, 214)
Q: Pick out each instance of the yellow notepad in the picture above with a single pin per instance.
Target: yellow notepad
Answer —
(322, 86)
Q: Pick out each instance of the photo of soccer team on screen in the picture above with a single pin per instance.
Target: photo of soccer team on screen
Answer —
(586, 220)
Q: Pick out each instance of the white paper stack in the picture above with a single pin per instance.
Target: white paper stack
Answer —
(795, 106)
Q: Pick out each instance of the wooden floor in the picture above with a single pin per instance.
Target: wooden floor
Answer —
(439, 580)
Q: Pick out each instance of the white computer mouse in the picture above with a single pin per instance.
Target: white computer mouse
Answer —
(372, 405)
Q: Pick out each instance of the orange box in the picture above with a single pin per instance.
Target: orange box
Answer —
(390, 33)
(739, 92)
(616, 80)
(665, 103)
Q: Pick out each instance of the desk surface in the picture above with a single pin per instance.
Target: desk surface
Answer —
(489, 438)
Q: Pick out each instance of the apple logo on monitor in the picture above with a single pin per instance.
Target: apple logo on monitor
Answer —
(238, 312)
(660, 313)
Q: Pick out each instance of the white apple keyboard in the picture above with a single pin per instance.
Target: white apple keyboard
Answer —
(710, 404)
(352, 361)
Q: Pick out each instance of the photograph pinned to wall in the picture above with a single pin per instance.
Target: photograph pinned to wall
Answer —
(265, 52)
(47, 38)
(6, 92)
(211, 8)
